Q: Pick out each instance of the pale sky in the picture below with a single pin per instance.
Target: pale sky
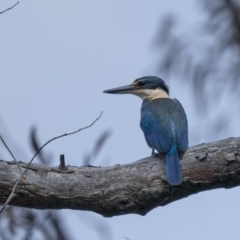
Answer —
(56, 58)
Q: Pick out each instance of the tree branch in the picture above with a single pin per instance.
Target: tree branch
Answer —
(137, 187)
(9, 8)
(28, 165)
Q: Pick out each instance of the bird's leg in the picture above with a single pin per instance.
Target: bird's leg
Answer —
(153, 153)
(181, 154)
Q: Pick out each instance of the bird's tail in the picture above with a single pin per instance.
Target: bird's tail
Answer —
(173, 169)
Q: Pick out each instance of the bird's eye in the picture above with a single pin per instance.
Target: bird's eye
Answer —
(140, 84)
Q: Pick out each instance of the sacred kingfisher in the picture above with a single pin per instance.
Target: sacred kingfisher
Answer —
(163, 122)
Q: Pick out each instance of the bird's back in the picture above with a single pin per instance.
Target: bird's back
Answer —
(164, 123)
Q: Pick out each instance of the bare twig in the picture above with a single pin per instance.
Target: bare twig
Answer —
(8, 148)
(10, 8)
(10, 152)
(62, 165)
(63, 135)
(36, 145)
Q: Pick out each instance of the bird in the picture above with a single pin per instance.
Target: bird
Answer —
(163, 122)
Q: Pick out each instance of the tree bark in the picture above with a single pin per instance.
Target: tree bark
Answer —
(137, 187)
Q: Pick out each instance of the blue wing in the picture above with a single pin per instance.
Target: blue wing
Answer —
(156, 129)
(165, 128)
(164, 124)
(181, 125)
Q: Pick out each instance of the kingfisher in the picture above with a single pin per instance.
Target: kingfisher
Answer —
(163, 122)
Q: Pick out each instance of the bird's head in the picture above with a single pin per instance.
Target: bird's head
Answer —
(145, 87)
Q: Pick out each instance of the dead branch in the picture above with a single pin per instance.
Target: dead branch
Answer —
(37, 152)
(137, 187)
(9, 8)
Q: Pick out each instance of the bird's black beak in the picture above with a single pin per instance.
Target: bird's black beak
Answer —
(121, 90)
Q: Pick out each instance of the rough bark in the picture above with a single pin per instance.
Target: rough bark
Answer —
(137, 187)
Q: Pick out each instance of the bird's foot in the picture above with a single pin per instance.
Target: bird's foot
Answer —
(154, 154)
(181, 154)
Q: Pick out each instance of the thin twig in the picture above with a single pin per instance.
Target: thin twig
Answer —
(10, 8)
(63, 135)
(10, 152)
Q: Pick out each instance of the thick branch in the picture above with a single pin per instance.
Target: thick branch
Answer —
(131, 188)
